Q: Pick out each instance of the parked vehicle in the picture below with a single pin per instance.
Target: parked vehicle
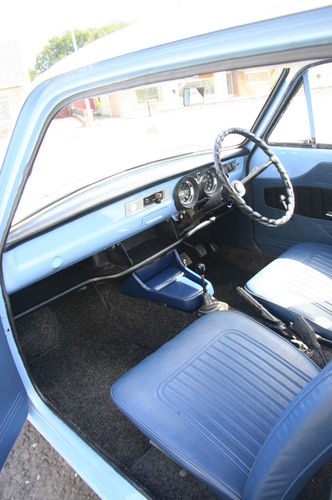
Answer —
(188, 166)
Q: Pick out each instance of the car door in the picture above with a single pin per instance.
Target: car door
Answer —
(300, 135)
(13, 399)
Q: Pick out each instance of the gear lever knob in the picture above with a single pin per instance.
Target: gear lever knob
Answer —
(201, 269)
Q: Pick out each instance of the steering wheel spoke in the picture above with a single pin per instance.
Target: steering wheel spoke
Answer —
(234, 189)
(255, 172)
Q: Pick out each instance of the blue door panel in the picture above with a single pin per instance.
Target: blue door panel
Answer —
(13, 400)
(307, 168)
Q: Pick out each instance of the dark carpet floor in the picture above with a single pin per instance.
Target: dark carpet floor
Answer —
(77, 346)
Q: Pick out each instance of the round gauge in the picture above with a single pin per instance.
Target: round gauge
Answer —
(209, 182)
(186, 192)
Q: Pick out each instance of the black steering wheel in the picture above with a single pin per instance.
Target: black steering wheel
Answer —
(236, 189)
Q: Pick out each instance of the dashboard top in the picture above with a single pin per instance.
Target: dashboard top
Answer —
(110, 190)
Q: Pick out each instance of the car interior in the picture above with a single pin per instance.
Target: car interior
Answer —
(197, 289)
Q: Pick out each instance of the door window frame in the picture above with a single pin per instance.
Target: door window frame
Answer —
(301, 78)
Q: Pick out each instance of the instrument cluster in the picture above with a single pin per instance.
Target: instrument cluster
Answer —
(195, 188)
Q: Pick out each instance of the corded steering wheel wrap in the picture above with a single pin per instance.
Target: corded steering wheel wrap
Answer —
(236, 189)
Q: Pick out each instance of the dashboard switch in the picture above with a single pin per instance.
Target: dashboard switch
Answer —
(134, 206)
(153, 198)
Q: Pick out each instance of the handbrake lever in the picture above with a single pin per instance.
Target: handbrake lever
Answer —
(305, 331)
(300, 327)
(277, 324)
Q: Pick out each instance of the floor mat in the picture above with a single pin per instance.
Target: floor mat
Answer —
(165, 480)
(79, 345)
(77, 373)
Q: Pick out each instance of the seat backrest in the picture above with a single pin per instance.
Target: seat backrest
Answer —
(298, 444)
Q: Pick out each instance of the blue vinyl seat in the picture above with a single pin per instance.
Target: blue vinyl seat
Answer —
(236, 405)
(299, 282)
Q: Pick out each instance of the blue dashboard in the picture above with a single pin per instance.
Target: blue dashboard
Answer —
(102, 216)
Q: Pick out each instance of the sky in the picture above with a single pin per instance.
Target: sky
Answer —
(34, 22)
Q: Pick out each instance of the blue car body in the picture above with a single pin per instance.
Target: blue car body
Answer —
(43, 247)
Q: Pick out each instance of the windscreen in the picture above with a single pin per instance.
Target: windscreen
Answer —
(98, 137)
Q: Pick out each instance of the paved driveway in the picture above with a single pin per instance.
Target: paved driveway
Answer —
(35, 471)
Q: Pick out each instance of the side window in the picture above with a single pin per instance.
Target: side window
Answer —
(320, 79)
(306, 120)
(293, 127)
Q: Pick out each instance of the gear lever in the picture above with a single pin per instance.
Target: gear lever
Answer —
(201, 271)
(209, 303)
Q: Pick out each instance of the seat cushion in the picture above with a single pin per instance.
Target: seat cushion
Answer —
(299, 282)
(210, 396)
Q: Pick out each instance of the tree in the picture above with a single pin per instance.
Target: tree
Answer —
(60, 46)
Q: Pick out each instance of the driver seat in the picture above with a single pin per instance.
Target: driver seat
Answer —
(298, 283)
(236, 405)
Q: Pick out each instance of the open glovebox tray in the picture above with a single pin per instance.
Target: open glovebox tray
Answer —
(169, 281)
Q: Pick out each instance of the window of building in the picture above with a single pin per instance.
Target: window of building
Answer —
(148, 94)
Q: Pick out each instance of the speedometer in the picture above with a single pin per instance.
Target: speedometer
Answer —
(210, 182)
(186, 192)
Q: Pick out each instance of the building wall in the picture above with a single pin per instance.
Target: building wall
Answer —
(10, 100)
(13, 79)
